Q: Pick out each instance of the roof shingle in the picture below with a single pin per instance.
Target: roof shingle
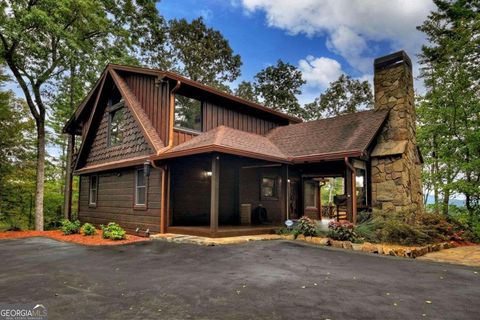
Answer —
(323, 139)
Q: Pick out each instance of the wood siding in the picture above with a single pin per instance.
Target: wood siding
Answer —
(181, 136)
(134, 143)
(115, 203)
(153, 98)
(214, 115)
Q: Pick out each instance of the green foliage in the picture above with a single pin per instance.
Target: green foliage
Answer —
(413, 229)
(449, 131)
(342, 231)
(345, 95)
(246, 90)
(202, 53)
(113, 231)
(278, 86)
(89, 229)
(70, 227)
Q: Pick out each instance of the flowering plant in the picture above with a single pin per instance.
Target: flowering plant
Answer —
(342, 231)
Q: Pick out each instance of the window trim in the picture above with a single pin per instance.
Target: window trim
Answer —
(111, 110)
(136, 205)
(274, 197)
(90, 203)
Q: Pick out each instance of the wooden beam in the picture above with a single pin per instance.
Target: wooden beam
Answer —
(164, 200)
(351, 191)
(215, 183)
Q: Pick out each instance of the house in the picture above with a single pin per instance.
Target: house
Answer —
(162, 153)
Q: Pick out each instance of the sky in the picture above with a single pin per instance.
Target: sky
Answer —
(323, 38)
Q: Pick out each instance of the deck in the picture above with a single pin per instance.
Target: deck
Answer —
(223, 231)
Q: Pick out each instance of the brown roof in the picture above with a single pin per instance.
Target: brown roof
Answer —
(351, 133)
(331, 138)
(228, 140)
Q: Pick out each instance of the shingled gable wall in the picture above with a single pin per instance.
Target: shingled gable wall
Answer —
(396, 164)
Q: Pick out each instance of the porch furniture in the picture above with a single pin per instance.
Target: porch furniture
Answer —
(341, 204)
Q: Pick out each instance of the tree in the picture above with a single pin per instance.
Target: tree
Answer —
(344, 95)
(246, 90)
(451, 113)
(16, 155)
(202, 53)
(41, 40)
(278, 86)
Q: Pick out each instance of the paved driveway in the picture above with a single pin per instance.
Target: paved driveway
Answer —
(259, 280)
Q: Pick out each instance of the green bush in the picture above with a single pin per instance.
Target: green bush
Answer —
(113, 232)
(70, 227)
(342, 231)
(400, 232)
(89, 229)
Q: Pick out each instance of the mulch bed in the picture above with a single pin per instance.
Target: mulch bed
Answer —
(95, 240)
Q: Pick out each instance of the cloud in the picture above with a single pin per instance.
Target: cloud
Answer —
(352, 27)
(319, 72)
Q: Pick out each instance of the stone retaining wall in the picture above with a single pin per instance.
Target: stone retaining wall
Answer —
(382, 248)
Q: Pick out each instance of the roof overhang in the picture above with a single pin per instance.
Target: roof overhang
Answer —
(112, 165)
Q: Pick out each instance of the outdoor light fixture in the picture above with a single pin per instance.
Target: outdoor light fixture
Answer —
(207, 174)
(146, 168)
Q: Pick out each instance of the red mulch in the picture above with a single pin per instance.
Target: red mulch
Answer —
(95, 240)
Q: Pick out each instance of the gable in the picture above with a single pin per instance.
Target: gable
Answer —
(140, 138)
(134, 143)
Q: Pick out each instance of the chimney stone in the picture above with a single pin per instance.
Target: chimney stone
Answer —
(396, 160)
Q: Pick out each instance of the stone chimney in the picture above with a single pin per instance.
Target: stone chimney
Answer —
(396, 161)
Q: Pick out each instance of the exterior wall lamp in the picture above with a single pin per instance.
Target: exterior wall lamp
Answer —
(146, 168)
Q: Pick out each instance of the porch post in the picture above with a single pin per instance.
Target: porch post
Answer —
(215, 183)
(348, 185)
(165, 183)
(350, 179)
(67, 204)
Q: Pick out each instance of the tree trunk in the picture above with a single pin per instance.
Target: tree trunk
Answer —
(68, 179)
(39, 193)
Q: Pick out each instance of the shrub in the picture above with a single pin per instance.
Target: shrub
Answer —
(400, 232)
(306, 226)
(342, 231)
(89, 229)
(70, 227)
(113, 231)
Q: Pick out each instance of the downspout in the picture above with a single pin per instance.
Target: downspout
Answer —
(354, 190)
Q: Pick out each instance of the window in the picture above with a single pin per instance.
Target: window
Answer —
(92, 196)
(269, 188)
(310, 194)
(116, 125)
(188, 113)
(140, 188)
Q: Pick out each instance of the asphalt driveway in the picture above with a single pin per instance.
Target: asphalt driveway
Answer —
(258, 280)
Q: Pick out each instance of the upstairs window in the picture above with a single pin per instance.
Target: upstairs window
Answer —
(140, 188)
(93, 187)
(116, 124)
(188, 113)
